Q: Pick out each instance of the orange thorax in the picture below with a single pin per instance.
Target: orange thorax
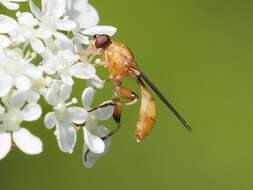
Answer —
(119, 59)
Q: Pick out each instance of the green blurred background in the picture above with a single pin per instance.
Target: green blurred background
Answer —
(199, 53)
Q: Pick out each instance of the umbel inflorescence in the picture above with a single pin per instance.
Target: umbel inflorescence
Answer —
(39, 59)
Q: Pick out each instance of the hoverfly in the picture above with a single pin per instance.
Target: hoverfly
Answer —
(121, 63)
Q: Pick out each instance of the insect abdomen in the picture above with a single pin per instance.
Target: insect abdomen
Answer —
(147, 115)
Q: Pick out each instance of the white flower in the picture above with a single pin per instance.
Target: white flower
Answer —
(94, 145)
(51, 17)
(65, 63)
(61, 58)
(89, 157)
(64, 117)
(22, 31)
(12, 4)
(17, 110)
(26, 32)
(82, 13)
(16, 71)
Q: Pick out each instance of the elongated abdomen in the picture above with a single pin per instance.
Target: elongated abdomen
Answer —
(147, 115)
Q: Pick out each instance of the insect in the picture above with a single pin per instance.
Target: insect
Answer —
(121, 63)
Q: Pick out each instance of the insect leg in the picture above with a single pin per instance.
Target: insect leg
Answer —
(131, 99)
(109, 103)
(129, 95)
(86, 54)
(116, 117)
(105, 104)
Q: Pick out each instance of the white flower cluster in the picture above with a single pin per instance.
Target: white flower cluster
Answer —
(40, 58)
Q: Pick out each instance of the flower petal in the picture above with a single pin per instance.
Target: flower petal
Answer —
(77, 115)
(5, 84)
(5, 41)
(63, 42)
(96, 82)
(23, 83)
(7, 24)
(18, 99)
(83, 13)
(66, 25)
(31, 96)
(51, 97)
(106, 112)
(19, 1)
(27, 19)
(87, 97)
(32, 112)
(35, 10)
(66, 137)
(93, 142)
(5, 143)
(83, 70)
(108, 30)
(34, 72)
(68, 4)
(50, 120)
(54, 8)
(27, 142)
(67, 79)
(89, 158)
(38, 46)
(11, 6)
(65, 91)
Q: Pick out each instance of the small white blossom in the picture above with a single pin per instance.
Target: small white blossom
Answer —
(16, 71)
(65, 63)
(23, 30)
(26, 32)
(51, 17)
(64, 116)
(95, 146)
(17, 110)
(89, 157)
